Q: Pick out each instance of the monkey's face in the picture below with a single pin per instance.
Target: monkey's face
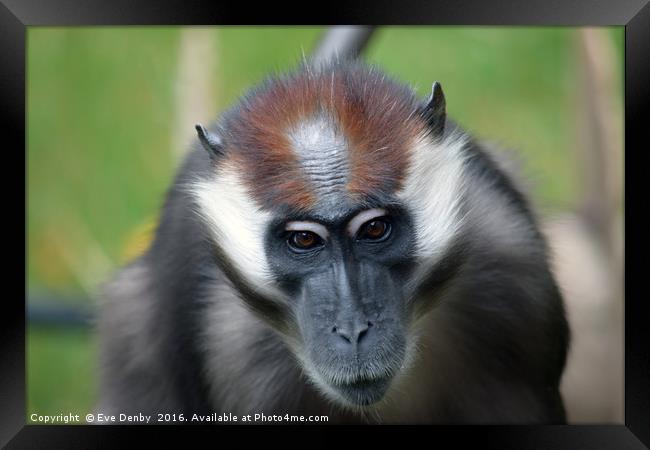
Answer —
(345, 273)
(332, 195)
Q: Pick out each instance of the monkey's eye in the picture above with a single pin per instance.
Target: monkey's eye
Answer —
(374, 230)
(302, 241)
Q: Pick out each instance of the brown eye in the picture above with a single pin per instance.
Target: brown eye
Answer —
(374, 230)
(304, 240)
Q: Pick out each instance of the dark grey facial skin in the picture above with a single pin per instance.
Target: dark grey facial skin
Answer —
(347, 298)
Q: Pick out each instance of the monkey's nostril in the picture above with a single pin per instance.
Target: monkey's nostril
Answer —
(362, 333)
(342, 333)
(353, 334)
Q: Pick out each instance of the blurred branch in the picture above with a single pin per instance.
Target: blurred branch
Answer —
(588, 246)
(601, 156)
(342, 42)
(49, 311)
(195, 97)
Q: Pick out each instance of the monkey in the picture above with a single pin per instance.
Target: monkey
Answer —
(333, 244)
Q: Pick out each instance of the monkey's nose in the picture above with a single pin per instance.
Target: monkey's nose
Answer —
(352, 333)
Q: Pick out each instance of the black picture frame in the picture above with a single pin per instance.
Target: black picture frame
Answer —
(16, 15)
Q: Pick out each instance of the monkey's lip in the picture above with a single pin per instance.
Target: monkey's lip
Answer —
(363, 391)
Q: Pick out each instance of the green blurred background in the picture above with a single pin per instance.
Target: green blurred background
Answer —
(105, 137)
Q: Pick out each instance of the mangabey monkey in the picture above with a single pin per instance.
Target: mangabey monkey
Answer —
(339, 249)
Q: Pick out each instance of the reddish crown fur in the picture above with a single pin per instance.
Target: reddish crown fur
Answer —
(378, 117)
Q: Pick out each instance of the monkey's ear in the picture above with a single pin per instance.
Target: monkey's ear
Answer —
(210, 142)
(434, 111)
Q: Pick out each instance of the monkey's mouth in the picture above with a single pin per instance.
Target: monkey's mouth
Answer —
(364, 391)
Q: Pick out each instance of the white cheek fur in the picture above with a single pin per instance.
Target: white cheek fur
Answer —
(237, 225)
(432, 191)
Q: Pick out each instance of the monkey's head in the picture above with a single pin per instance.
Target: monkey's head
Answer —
(332, 192)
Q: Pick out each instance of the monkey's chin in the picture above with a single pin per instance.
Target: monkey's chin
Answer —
(363, 392)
